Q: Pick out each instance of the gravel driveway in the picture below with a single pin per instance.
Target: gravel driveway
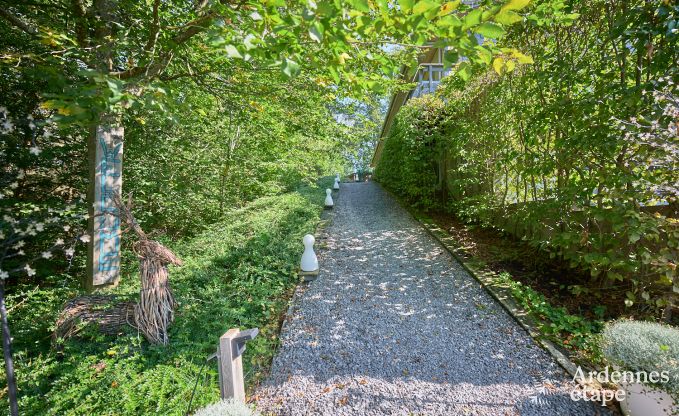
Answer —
(394, 326)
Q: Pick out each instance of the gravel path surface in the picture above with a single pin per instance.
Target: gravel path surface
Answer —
(394, 326)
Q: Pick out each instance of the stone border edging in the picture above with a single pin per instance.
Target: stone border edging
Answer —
(498, 291)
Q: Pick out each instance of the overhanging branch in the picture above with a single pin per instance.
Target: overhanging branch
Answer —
(16, 21)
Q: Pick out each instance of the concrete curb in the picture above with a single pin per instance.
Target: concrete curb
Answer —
(501, 293)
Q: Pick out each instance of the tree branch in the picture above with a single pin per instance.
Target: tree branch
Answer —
(194, 27)
(16, 21)
(81, 26)
(155, 28)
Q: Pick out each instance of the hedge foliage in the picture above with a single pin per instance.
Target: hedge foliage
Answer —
(577, 152)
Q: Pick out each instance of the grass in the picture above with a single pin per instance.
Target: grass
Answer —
(240, 272)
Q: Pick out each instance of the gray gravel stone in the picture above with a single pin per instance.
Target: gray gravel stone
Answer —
(394, 326)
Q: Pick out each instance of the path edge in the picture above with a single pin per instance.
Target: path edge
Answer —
(324, 221)
(501, 293)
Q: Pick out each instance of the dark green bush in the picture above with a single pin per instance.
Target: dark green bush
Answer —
(409, 163)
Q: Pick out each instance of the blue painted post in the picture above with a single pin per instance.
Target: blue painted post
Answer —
(103, 256)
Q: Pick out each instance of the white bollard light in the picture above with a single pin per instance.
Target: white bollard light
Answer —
(336, 185)
(328, 199)
(309, 261)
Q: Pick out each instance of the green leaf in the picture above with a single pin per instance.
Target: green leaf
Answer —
(232, 52)
(634, 237)
(275, 3)
(326, 8)
(115, 86)
(360, 5)
(507, 17)
(490, 30)
(449, 21)
(406, 5)
(464, 71)
(290, 68)
(473, 18)
(250, 42)
(424, 6)
(451, 57)
(316, 32)
(515, 4)
(484, 54)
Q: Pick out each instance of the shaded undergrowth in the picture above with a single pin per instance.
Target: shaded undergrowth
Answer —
(239, 272)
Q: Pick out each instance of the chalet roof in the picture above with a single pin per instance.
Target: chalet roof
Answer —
(398, 100)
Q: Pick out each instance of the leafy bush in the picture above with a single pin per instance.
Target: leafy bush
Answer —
(228, 407)
(574, 152)
(644, 346)
(409, 160)
(571, 331)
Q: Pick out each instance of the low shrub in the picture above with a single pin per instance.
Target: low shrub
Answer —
(228, 407)
(644, 346)
(570, 331)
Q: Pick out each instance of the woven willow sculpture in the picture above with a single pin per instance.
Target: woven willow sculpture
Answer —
(153, 313)
(155, 310)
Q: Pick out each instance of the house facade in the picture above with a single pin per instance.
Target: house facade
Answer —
(428, 77)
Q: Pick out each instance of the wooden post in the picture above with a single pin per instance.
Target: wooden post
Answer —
(231, 383)
(106, 175)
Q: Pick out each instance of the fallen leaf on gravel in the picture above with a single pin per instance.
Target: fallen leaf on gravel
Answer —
(362, 381)
(343, 401)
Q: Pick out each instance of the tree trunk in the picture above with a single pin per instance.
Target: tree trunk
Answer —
(7, 351)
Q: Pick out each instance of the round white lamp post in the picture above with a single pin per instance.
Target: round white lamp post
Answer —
(328, 199)
(309, 261)
(336, 185)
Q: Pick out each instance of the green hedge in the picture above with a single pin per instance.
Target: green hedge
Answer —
(576, 152)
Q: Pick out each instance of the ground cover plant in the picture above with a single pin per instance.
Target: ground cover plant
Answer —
(239, 272)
